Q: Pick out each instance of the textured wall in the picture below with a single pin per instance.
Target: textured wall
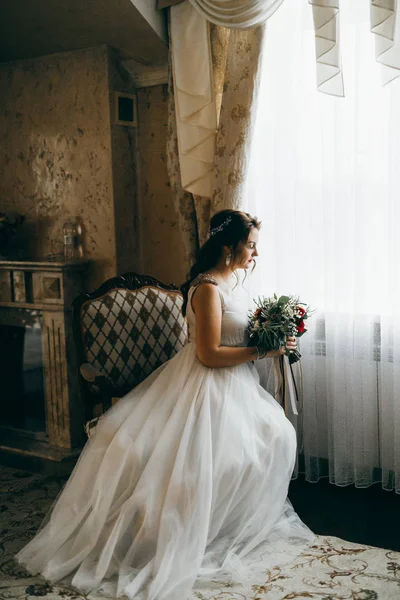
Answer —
(55, 151)
(161, 245)
(62, 156)
(123, 145)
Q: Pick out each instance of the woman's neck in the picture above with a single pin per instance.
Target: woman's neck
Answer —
(222, 273)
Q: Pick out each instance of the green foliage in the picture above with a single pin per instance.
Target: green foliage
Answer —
(274, 320)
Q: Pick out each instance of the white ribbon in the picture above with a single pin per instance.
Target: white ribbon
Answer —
(285, 384)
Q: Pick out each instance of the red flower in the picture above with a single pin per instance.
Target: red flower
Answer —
(300, 326)
(301, 311)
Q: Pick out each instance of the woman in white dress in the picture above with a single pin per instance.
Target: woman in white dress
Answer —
(187, 476)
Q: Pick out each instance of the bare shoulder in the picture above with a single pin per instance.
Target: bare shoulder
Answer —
(206, 297)
(206, 290)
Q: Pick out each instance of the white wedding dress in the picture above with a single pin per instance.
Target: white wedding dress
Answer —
(185, 478)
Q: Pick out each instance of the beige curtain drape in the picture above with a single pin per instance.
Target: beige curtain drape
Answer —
(167, 3)
(235, 61)
(183, 200)
(242, 60)
(236, 15)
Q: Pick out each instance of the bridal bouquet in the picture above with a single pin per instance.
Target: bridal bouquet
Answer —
(274, 320)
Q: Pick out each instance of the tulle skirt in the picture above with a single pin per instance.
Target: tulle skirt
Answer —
(185, 478)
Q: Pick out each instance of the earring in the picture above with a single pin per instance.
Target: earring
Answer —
(228, 259)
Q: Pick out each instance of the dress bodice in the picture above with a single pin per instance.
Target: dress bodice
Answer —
(234, 312)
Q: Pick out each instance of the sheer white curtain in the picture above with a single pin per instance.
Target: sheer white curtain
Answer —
(325, 179)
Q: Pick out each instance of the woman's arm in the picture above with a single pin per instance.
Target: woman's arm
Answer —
(206, 304)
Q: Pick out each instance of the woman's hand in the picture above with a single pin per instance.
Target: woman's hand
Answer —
(291, 345)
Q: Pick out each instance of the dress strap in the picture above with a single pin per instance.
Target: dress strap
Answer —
(205, 278)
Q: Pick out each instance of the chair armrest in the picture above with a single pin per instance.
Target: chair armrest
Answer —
(97, 379)
(90, 426)
(89, 373)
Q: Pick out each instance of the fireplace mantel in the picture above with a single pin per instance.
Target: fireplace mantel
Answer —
(48, 287)
(40, 283)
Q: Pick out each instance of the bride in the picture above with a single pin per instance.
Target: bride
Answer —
(186, 477)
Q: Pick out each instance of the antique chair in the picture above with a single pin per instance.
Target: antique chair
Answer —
(124, 330)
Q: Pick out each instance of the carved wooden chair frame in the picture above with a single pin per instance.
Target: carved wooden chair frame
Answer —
(93, 383)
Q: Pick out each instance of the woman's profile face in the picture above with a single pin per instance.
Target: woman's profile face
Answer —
(247, 251)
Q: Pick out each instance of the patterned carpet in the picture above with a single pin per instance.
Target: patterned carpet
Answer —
(331, 569)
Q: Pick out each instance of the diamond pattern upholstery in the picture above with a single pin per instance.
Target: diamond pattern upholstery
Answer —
(127, 333)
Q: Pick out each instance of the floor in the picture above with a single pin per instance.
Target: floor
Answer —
(366, 516)
(332, 568)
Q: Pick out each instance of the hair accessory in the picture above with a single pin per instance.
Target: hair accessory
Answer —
(215, 230)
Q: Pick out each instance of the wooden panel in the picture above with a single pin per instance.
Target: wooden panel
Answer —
(19, 286)
(51, 288)
(55, 375)
(47, 287)
(65, 412)
(5, 286)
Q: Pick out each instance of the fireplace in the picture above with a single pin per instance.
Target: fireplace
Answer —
(21, 371)
(41, 409)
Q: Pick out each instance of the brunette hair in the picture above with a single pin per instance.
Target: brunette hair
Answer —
(227, 228)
